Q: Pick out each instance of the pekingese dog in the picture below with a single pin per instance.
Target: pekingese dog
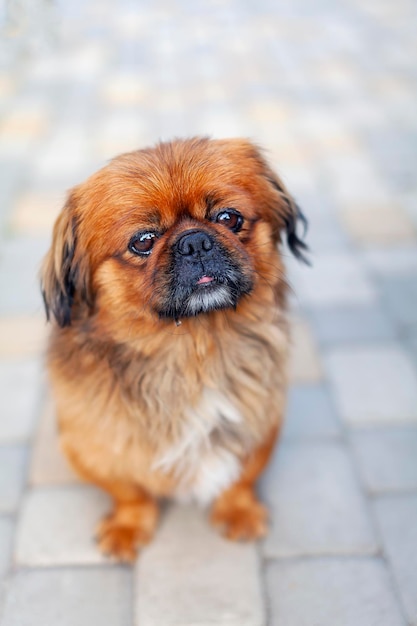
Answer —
(168, 355)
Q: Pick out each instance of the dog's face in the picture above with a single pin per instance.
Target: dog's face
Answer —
(183, 229)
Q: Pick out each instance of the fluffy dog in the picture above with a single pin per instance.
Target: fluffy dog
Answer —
(168, 355)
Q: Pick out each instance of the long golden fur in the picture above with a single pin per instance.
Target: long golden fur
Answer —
(157, 398)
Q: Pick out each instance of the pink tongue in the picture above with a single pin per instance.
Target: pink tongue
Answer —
(205, 279)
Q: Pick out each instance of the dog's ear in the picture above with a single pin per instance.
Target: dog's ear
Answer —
(282, 211)
(289, 217)
(64, 274)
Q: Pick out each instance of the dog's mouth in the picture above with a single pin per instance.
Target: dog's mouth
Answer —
(208, 293)
(205, 281)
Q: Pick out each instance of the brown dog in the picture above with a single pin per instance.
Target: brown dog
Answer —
(168, 358)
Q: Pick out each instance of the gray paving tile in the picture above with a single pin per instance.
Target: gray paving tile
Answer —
(6, 538)
(57, 525)
(20, 263)
(409, 202)
(304, 366)
(351, 324)
(325, 234)
(400, 296)
(10, 178)
(387, 458)
(397, 521)
(19, 408)
(335, 279)
(373, 384)
(310, 413)
(318, 210)
(342, 170)
(410, 341)
(326, 592)
(69, 597)
(13, 464)
(394, 150)
(316, 505)
(63, 156)
(48, 464)
(347, 116)
(392, 261)
(189, 575)
(378, 222)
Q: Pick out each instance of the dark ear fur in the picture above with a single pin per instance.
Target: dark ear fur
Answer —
(62, 275)
(292, 217)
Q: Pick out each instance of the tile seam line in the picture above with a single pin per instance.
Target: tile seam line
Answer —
(368, 503)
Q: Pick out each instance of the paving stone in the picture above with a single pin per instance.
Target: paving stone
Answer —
(64, 155)
(17, 147)
(411, 342)
(22, 336)
(310, 413)
(391, 261)
(191, 576)
(327, 130)
(316, 505)
(288, 152)
(305, 361)
(13, 464)
(19, 282)
(11, 173)
(397, 521)
(409, 202)
(394, 151)
(373, 385)
(57, 524)
(69, 597)
(6, 538)
(384, 224)
(19, 410)
(347, 592)
(106, 148)
(123, 127)
(351, 324)
(124, 89)
(340, 127)
(265, 108)
(319, 211)
(220, 121)
(48, 464)
(27, 124)
(324, 234)
(7, 85)
(400, 296)
(387, 458)
(299, 178)
(35, 213)
(334, 279)
(355, 179)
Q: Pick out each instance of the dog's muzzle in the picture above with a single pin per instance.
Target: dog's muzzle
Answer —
(205, 276)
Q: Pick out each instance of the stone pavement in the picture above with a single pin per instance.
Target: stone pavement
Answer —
(329, 88)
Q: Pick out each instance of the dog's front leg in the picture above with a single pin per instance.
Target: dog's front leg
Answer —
(130, 525)
(237, 512)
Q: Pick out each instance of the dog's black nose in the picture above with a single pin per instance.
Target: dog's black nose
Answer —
(194, 242)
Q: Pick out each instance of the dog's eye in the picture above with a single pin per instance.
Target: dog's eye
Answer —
(142, 243)
(230, 218)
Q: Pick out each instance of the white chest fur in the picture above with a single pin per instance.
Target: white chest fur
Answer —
(203, 465)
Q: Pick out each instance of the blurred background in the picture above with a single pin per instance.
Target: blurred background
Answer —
(328, 88)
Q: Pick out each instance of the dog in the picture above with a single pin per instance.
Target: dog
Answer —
(169, 344)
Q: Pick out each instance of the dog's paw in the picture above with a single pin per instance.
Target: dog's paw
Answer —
(241, 522)
(121, 538)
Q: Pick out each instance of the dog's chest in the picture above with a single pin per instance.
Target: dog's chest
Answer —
(204, 459)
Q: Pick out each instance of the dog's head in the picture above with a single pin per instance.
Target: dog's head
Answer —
(182, 229)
